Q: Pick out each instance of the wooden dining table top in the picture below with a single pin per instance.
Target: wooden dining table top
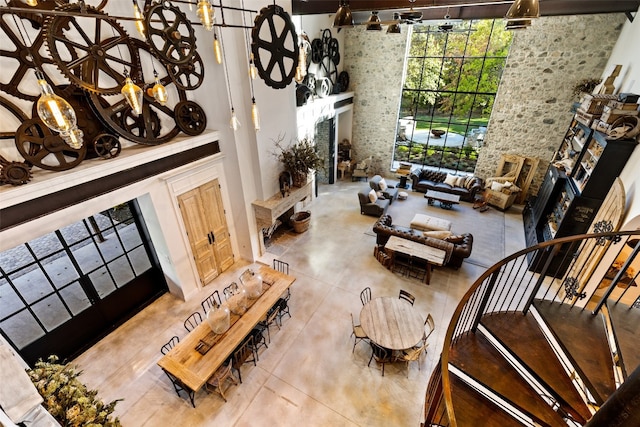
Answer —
(392, 323)
(193, 368)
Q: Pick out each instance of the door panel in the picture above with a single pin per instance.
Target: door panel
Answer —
(212, 199)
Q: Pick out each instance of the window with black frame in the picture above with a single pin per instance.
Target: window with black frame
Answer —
(451, 79)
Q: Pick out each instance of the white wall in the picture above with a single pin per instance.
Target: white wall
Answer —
(627, 53)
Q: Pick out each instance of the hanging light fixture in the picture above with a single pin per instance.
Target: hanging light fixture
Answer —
(255, 115)
(137, 14)
(373, 23)
(217, 50)
(57, 113)
(205, 13)
(159, 92)
(522, 10)
(395, 27)
(132, 93)
(234, 123)
(253, 71)
(343, 17)
(33, 3)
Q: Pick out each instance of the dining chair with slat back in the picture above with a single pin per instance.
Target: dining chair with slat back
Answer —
(272, 317)
(357, 332)
(381, 354)
(413, 355)
(429, 323)
(212, 301)
(283, 308)
(220, 377)
(244, 353)
(406, 296)
(192, 321)
(365, 295)
(168, 346)
(281, 266)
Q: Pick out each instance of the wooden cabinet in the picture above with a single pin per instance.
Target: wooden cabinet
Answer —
(568, 200)
(203, 214)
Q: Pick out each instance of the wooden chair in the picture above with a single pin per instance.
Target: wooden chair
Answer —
(381, 354)
(219, 378)
(357, 332)
(365, 295)
(406, 296)
(168, 346)
(430, 324)
(212, 301)
(244, 353)
(192, 321)
(412, 355)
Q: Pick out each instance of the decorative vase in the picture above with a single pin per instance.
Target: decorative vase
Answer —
(299, 179)
(252, 283)
(219, 319)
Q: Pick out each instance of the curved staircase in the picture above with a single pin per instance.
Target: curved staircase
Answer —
(542, 349)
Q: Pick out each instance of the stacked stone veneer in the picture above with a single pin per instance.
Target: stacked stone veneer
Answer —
(375, 63)
(532, 108)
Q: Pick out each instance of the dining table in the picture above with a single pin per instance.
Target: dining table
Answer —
(198, 355)
(392, 323)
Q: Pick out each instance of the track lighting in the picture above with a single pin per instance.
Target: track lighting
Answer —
(373, 23)
(343, 17)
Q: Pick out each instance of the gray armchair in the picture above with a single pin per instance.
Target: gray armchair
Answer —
(391, 191)
(378, 208)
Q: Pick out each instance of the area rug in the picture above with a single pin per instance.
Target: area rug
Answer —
(487, 227)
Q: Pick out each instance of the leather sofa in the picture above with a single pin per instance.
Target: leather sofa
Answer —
(368, 208)
(455, 252)
(429, 179)
(390, 193)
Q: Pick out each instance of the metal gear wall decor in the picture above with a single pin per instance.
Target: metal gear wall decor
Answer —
(15, 111)
(190, 117)
(156, 125)
(40, 147)
(103, 49)
(274, 44)
(343, 81)
(169, 33)
(14, 173)
(106, 146)
(188, 76)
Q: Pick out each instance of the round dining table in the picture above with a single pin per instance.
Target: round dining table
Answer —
(392, 323)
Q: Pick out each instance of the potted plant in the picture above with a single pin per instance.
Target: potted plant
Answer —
(299, 158)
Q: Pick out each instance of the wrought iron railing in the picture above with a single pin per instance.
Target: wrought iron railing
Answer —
(567, 270)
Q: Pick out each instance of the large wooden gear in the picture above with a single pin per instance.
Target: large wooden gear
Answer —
(169, 33)
(275, 46)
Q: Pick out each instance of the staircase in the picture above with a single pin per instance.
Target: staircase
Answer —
(541, 349)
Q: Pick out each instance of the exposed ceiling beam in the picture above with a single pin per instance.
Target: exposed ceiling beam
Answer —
(464, 9)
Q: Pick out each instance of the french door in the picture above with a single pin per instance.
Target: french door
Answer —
(63, 291)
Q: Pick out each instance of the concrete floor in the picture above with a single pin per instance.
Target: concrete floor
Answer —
(308, 375)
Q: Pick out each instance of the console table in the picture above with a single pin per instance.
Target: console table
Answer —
(432, 256)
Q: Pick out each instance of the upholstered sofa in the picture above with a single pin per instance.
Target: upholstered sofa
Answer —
(455, 252)
(390, 192)
(367, 207)
(429, 179)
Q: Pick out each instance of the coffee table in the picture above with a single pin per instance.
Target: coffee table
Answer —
(446, 200)
(431, 256)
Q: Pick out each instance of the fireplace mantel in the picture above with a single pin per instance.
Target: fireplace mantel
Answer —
(267, 211)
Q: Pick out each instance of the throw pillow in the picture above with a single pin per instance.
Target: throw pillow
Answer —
(455, 239)
(373, 196)
(460, 181)
(451, 180)
(469, 182)
(496, 186)
(383, 185)
(437, 234)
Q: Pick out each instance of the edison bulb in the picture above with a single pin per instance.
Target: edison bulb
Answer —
(205, 13)
(133, 94)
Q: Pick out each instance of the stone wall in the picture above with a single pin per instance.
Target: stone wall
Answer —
(532, 108)
(375, 63)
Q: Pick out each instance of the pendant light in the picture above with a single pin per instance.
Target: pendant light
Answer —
(217, 50)
(159, 92)
(373, 23)
(395, 27)
(57, 113)
(33, 3)
(234, 123)
(206, 14)
(253, 71)
(137, 14)
(343, 17)
(522, 10)
(132, 93)
(255, 116)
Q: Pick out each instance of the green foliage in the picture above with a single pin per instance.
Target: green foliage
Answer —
(67, 399)
(299, 157)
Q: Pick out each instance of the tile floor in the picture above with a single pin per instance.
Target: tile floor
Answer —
(308, 375)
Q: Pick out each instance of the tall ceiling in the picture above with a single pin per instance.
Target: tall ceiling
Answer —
(463, 9)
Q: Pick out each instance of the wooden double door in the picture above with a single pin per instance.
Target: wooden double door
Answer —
(204, 218)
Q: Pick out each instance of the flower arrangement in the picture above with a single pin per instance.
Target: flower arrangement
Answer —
(299, 158)
(585, 86)
(67, 399)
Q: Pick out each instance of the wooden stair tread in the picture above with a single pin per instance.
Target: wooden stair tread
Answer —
(583, 336)
(473, 409)
(626, 325)
(522, 335)
(477, 357)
